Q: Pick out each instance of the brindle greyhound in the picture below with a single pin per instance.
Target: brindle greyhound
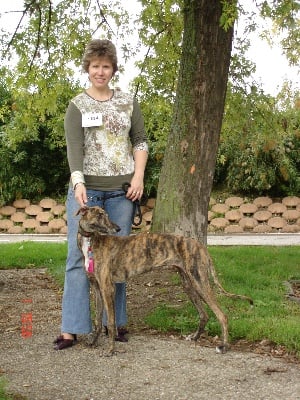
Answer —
(117, 258)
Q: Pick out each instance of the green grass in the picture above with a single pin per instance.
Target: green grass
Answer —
(35, 255)
(257, 271)
(3, 393)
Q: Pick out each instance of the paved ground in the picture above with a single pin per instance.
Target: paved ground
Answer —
(270, 239)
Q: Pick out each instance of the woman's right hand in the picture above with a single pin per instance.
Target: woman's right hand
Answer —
(80, 194)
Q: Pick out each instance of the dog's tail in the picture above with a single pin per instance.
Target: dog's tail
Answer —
(220, 287)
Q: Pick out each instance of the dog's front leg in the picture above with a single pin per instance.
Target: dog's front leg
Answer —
(98, 311)
(107, 288)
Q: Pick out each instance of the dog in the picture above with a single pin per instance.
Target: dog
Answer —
(118, 258)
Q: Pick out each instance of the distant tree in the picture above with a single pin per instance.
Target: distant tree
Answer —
(189, 162)
(42, 56)
(47, 46)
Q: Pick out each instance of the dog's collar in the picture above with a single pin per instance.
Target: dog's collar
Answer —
(83, 233)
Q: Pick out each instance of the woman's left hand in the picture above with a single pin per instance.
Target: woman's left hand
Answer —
(136, 189)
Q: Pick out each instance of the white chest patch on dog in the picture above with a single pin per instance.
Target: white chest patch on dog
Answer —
(85, 248)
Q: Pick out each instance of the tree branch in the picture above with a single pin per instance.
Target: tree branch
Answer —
(38, 41)
(48, 29)
(104, 19)
(17, 28)
(146, 56)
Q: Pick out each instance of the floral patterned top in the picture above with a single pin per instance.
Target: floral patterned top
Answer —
(102, 137)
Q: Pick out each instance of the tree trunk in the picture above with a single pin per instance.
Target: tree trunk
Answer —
(189, 163)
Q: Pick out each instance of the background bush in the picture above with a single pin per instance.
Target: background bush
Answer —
(32, 147)
(259, 150)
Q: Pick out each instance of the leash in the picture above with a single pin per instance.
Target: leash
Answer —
(137, 205)
(137, 212)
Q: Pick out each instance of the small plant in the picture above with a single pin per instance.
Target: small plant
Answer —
(3, 391)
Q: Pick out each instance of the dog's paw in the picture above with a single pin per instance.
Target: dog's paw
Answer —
(109, 353)
(94, 339)
(189, 337)
(221, 349)
(195, 336)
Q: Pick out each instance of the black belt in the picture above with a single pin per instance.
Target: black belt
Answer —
(137, 205)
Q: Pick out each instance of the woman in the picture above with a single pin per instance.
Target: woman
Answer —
(106, 147)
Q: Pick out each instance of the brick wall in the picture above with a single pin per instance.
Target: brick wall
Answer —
(234, 215)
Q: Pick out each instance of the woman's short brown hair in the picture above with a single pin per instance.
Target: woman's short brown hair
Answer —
(100, 48)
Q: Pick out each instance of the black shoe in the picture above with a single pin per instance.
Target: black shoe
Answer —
(122, 330)
(121, 334)
(62, 343)
(121, 338)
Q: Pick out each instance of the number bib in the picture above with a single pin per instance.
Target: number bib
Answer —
(91, 119)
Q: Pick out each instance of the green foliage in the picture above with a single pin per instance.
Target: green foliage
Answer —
(34, 165)
(32, 170)
(167, 318)
(284, 16)
(153, 168)
(46, 49)
(257, 151)
(259, 146)
(5, 98)
(257, 154)
(230, 13)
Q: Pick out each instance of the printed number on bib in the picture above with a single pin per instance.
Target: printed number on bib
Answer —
(91, 119)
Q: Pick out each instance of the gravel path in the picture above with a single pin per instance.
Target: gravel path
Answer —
(147, 367)
(150, 368)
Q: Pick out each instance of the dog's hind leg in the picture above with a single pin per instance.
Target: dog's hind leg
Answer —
(197, 301)
(210, 299)
(198, 287)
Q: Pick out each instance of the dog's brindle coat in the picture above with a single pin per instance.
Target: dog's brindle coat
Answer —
(117, 258)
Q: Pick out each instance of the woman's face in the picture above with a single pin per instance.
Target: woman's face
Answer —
(100, 72)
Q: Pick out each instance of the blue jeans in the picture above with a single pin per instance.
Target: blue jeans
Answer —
(76, 298)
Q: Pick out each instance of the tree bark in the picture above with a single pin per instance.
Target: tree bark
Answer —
(189, 162)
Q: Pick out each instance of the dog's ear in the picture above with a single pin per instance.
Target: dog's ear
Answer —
(82, 210)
